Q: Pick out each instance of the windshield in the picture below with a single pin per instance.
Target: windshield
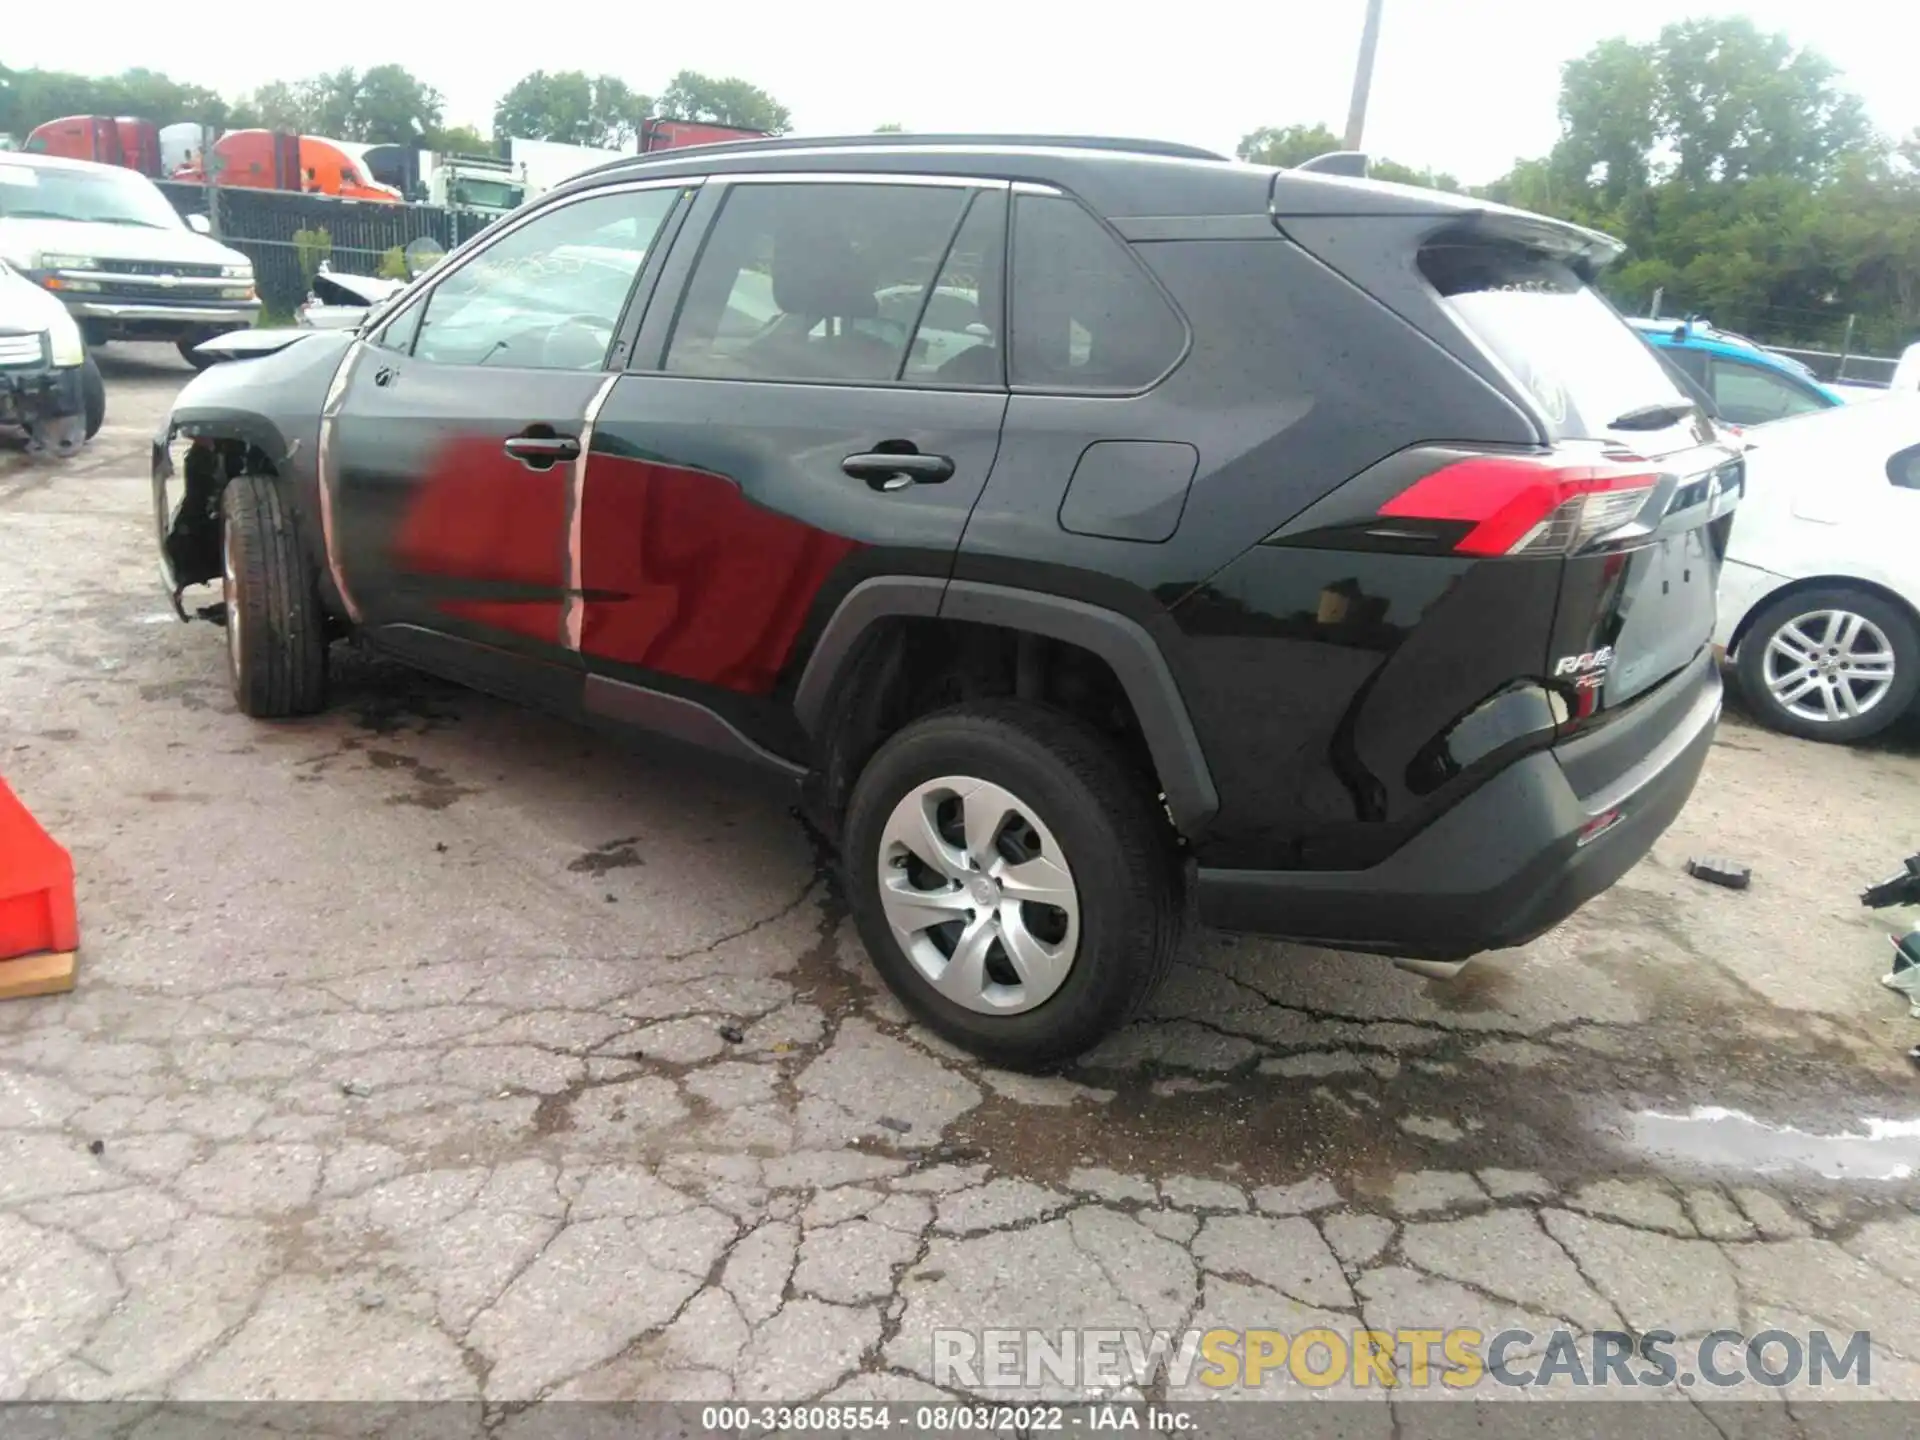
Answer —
(488, 194)
(1584, 366)
(104, 196)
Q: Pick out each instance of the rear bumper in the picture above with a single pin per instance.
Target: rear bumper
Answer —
(1508, 862)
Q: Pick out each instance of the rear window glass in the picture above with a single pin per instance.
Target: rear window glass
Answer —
(1583, 364)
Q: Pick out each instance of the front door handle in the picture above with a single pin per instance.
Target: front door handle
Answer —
(897, 471)
(542, 452)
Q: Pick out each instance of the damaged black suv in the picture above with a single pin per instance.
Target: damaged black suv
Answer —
(1102, 533)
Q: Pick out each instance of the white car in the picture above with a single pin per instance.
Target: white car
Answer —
(1820, 591)
(112, 249)
(50, 389)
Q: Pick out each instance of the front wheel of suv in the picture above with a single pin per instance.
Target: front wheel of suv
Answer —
(1012, 879)
(1835, 664)
(276, 632)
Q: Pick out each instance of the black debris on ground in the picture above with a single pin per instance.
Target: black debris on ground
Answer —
(1716, 871)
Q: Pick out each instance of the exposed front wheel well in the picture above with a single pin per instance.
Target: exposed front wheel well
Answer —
(193, 537)
(903, 668)
(211, 463)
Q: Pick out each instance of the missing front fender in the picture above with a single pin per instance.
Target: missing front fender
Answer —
(193, 538)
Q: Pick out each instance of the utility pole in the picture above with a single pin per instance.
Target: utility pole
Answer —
(1363, 76)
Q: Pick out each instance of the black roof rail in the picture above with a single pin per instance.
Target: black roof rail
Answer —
(1338, 162)
(893, 139)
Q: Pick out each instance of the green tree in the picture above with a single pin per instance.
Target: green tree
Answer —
(276, 106)
(1293, 145)
(459, 140)
(30, 98)
(1297, 144)
(1610, 118)
(1744, 180)
(1736, 103)
(725, 101)
(386, 105)
(391, 106)
(572, 107)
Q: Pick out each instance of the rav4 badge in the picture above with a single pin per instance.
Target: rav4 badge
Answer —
(1588, 670)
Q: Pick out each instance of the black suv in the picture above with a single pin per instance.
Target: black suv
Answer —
(1099, 531)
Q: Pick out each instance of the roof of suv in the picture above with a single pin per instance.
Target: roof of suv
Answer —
(1119, 177)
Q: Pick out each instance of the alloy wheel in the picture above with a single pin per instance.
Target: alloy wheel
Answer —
(1828, 666)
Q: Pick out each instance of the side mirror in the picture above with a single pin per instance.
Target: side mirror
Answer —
(421, 255)
(199, 224)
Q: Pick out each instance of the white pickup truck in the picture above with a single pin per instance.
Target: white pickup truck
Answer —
(105, 243)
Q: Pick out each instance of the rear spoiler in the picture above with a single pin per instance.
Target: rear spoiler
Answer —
(1328, 187)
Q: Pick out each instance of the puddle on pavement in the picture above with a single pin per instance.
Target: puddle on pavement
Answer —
(1872, 1149)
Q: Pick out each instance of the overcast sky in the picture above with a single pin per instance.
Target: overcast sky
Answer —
(1465, 86)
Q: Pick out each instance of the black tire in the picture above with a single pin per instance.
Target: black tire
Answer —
(276, 630)
(1114, 839)
(1893, 621)
(93, 389)
(187, 353)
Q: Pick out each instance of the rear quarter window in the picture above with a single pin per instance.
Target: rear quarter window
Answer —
(1086, 315)
(1582, 365)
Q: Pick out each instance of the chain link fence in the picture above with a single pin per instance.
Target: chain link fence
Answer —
(289, 236)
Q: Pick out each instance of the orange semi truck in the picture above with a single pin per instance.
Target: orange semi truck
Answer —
(103, 139)
(273, 160)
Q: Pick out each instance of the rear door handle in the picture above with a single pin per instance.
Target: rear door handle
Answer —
(540, 452)
(895, 472)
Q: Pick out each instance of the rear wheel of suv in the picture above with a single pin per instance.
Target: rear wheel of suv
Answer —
(276, 645)
(1835, 664)
(1012, 879)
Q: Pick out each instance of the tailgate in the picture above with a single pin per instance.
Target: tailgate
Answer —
(1638, 612)
(1636, 602)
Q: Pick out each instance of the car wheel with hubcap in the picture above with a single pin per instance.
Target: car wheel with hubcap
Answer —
(1832, 664)
(276, 645)
(1012, 879)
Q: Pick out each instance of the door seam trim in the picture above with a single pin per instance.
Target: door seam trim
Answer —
(573, 613)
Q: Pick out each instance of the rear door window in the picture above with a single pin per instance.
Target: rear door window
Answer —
(1086, 315)
(815, 282)
(1583, 365)
(956, 342)
(1752, 394)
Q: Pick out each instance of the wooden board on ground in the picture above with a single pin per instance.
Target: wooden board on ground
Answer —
(49, 973)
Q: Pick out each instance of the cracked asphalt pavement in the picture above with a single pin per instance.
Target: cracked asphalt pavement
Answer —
(435, 1049)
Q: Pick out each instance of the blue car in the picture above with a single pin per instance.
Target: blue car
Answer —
(1750, 385)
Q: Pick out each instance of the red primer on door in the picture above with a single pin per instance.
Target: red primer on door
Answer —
(684, 575)
(481, 517)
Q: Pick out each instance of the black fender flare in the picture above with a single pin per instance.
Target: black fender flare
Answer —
(1126, 646)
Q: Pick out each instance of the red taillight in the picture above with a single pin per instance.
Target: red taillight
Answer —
(1524, 505)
